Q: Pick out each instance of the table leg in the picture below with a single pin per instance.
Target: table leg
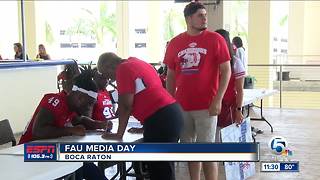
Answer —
(122, 168)
(254, 138)
(73, 176)
(262, 118)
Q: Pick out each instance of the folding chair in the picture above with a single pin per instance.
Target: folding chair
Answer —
(6, 134)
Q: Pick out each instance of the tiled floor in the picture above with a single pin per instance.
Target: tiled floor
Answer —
(301, 128)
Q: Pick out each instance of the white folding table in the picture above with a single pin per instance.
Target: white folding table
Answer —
(253, 95)
(13, 167)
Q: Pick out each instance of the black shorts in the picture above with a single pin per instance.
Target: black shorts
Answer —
(164, 125)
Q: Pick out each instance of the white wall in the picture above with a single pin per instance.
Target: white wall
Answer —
(21, 90)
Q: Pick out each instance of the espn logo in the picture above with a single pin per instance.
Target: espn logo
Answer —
(35, 149)
(40, 152)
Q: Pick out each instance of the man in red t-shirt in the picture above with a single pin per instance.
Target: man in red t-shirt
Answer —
(142, 95)
(58, 113)
(195, 59)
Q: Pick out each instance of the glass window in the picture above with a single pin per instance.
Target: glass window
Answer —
(151, 25)
(279, 30)
(9, 31)
(80, 30)
(236, 14)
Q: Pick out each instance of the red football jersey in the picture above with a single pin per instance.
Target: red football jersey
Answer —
(238, 72)
(196, 60)
(228, 108)
(163, 79)
(57, 105)
(141, 79)
(103, 109)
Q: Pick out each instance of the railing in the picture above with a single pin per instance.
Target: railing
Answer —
(298, 84)
(24, 64)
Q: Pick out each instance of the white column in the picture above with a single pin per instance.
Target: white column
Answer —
(259, 41)
(122, 15)
(215, 16)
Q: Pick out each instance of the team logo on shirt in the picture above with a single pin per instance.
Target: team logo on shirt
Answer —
(106, 101)
(190, 58)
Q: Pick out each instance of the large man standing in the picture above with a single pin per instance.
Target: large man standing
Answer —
(141, 94)
(196, 59)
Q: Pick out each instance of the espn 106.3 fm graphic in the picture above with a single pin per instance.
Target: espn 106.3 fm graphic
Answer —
(40, 152)
(282, 157)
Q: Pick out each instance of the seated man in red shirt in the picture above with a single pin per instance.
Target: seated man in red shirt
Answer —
(103, 108)
(58, 114)
(66, 76)
(142, 95)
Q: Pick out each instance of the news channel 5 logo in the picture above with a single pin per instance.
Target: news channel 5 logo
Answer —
(279, 146)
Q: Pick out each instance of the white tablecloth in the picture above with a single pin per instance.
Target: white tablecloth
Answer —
(13, 167)
(252, 95)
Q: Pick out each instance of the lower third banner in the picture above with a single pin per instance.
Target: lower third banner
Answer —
(153, 152)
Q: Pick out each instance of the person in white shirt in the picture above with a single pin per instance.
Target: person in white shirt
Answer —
(240, 51)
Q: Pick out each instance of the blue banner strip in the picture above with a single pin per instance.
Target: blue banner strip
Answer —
(159, 148)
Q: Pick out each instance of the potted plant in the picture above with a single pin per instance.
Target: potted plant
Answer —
(249, 82)
(285, 76)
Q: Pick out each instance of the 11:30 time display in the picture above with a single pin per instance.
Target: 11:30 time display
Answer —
(270, 166)
(290, 166)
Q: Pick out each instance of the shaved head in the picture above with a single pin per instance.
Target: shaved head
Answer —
(107, 64)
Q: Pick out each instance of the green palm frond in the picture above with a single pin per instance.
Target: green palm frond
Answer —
(95, 25)
(49, 33)
(173, 21)
(283, 20)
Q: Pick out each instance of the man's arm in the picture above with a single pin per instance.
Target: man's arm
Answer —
(89, 123)
(125, 106)
(239, 88)
(225, 73)
(239, 99)
(136, 130)
(88, 111)
(171, 82)
(43, 127)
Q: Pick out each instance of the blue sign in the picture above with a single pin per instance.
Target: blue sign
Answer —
(40, 152)
(289, 166)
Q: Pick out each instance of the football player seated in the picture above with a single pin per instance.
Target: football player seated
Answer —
(103, 108)
(60, 114)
